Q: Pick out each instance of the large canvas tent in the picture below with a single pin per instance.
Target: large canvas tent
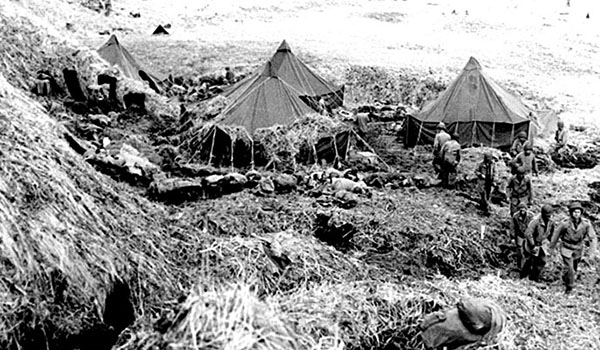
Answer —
(117, 55)
(268, 100)
(304, 82)
(474, 106)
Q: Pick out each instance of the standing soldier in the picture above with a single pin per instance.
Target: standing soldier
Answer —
(518, 144)
(573, 233)
(538, 233)
(441, 137)
(561, 135)
(519, 190)
(450, 159)
(486, 173)
(526, 160)
(519, 223)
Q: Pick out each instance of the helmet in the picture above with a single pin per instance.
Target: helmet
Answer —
(547, 209)
(528, 146)
(521, 206)
(522, 134)
(560, 123)
(488, 156)
(441, 126)
(574, 206)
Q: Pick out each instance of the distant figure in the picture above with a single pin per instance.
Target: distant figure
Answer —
(587, 16)
(561, 135)
(450, 161)
(229, 76)
(518, 143)
(441, 137)
(526, 160)
(519, 222)
(107, 7)
(519, 190)
(486, 173)
(538, 234)
(573, 233)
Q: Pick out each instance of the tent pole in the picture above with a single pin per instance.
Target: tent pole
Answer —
(232, 145)
(372, 150)
(212, 146)
(493, 134)
(252, 154)
(336, 150)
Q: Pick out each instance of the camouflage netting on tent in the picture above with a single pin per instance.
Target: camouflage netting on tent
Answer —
(278, 146)
(217, 145)
(296, 142)
(90, 65)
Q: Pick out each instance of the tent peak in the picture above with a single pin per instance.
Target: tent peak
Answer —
(472, 64)
(112, 40)
(284, 47)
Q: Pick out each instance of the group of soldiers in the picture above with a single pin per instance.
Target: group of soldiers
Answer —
(535, 237)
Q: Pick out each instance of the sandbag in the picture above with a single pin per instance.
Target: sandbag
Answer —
(348, 185)
(266, 185)
(284, 183)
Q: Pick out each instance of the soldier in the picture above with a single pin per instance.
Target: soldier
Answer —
(526, 160)
(229, 76)
(519, 223)
(561, 135)
(538, 233)
(441, 137)
(573, 233)
(518, 144)
(450, 159)
(486, 173)
(519, 190)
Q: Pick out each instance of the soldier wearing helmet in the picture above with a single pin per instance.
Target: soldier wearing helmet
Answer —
(486, 180)
(519, 190)
(537, 236)
(526, 160)
(573, 233)
(561, 135)
(519, 222)
(441, 137)
(518, 144)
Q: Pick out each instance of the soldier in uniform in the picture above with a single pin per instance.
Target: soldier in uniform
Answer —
(537, 236)
(572, 233)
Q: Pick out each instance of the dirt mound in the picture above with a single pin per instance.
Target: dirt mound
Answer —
(370, 84)
(68, 232)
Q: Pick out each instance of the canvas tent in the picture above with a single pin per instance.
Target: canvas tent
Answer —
(117, 55)
(304, 82)
(474, 106)
(267, 101)
(160, 30)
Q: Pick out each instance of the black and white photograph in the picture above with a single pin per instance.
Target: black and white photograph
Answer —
(299, 174)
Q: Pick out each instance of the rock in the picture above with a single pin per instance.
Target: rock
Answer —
(176, 190)
(284, 183)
